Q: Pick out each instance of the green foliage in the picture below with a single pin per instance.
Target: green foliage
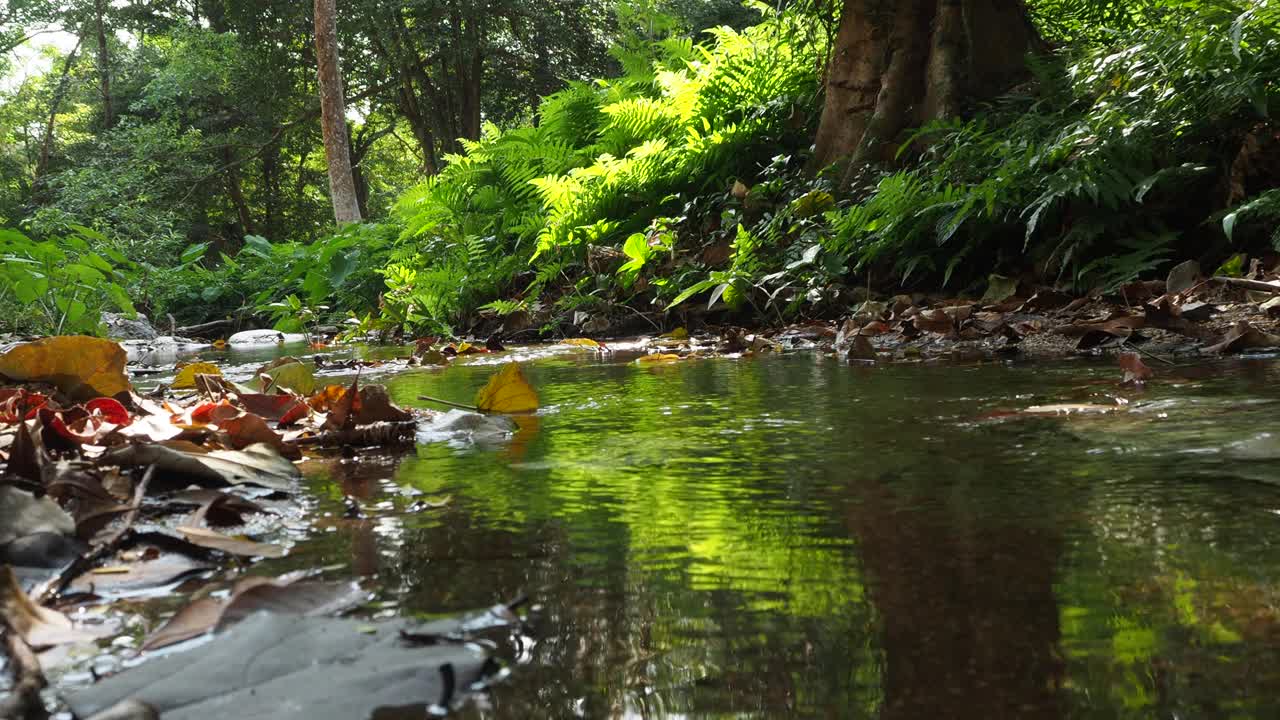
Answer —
(1099, 176)
(60, 285)
(603, 162)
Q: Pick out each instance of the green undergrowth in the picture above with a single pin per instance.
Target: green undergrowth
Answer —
(686, 186)
(687, 183)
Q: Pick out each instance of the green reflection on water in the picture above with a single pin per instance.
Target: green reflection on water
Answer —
(797, 537)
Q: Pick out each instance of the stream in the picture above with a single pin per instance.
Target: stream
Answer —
(796, 536)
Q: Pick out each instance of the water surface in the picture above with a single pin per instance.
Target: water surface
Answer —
(795, 536)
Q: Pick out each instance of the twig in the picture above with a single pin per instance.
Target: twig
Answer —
(106, 549)
(24, 701)
(1148, 353)
(1256, 285)
(428, 398)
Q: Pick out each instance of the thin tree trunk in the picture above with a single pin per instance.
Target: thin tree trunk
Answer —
(104, 65)
(899, 64)
(236, 193)
(64, 83)
(342, 189)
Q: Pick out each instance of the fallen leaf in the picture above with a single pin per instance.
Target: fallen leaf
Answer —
(228, 544)
(861, 349)
(508, 391)
(291, 375)
(999, 289)
(156, 569)
(934, 321)
(80, 366)
(288, 667)
(1182, 277)
(655, 358)
(581, 342)
(186, 377)
(1244, 337)
(1136, 372)
(39, 626)
(342, 414)
(282, 408)
(22, 514)
(375, 406)
(258, 464)
(110, 410)
(248, 429)
(1071, 409)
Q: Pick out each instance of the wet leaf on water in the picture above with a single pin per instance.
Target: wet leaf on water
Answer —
(186, 377)
(284, 409)
(1071, 409)
(298, 668)
(290, 374)
(679, 333)
(247, 429)
(1136, 372)
(22, 514)
(243, 547)
(258, 464)
(39, 626)
(342, 412)
(375, 406)
(80, 366)
(508, 391)
(656, 358)
(154, 569)
(581, 342)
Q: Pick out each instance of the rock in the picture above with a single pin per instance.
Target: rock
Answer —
(120, 327)
(265, 337)
(1183, 277)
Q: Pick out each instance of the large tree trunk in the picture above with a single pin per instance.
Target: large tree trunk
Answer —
(899, 64)
(55, 104)
(333, 123)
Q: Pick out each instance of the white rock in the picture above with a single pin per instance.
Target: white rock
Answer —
(265, 337)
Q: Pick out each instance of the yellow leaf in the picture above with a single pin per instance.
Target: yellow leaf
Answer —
(187, 374)
(677, 334)
(658, 358)
(507, 392)
(220, 344)
(581, 342)
(293, 376)
(80, 366)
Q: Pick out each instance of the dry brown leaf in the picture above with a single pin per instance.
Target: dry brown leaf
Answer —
(1136, 372)
(232, 545)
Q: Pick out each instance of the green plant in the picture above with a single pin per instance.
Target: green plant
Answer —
(61, 284)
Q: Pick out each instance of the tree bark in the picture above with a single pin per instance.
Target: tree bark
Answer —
(333, 123)
(46, 143)
(899, 64)
(104, 65)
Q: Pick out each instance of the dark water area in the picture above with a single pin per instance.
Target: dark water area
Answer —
(794, 536)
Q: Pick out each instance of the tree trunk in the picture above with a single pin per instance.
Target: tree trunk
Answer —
(104, 65)
(236, 194)
(333, 123)
(46, 143)
(899, 64)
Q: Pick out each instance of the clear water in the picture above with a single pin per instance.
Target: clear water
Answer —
(794, 536)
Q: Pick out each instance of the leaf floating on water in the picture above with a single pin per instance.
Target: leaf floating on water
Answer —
(228, 544)
(186, 378)
(507, 392)
(581, 342)
(658, 358)
(1136, 372)
(1071, 409)
(291, 374)
(80, 366)
(257, 464)
(39, 626)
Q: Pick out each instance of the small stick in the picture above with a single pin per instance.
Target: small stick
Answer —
(1256, 285)
(428, 398)
(1148, 353)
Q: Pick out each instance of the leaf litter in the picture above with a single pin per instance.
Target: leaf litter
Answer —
(109, 494)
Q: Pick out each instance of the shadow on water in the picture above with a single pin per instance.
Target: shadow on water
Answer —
(797, 537)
